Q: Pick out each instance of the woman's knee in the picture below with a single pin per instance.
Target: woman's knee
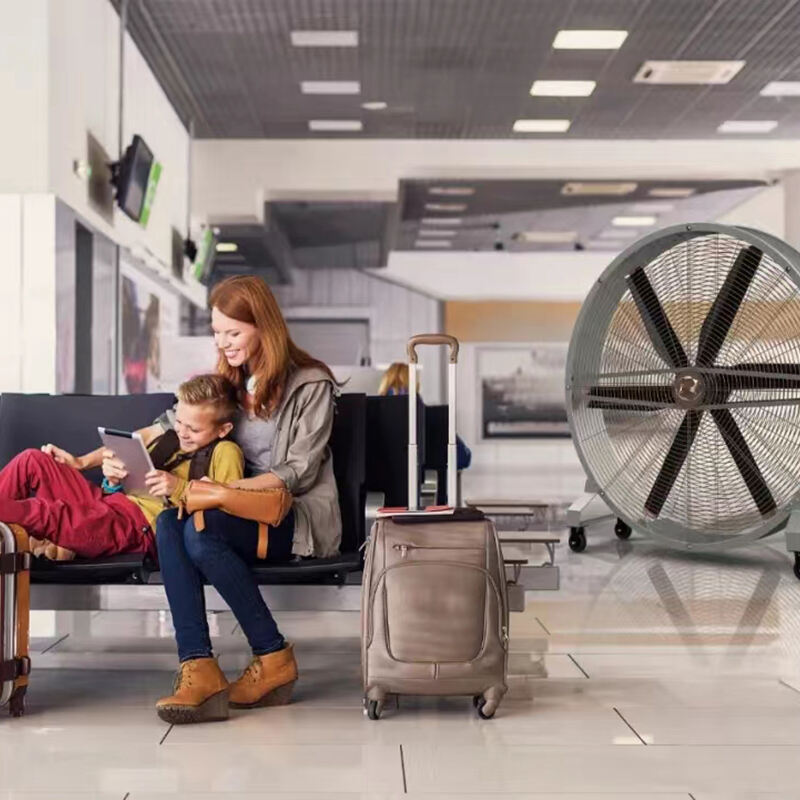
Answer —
(201, 545)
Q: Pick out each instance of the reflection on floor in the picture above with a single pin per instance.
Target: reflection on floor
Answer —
(648, 675)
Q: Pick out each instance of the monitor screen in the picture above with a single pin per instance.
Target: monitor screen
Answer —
(134, 177)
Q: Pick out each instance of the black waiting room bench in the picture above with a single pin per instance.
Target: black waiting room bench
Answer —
(70, 421)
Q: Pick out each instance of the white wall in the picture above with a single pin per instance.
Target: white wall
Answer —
(765, 211)
(231, 176)
(395, 314)
(28, 299)
(23, 95)
(83, 96)
(494, 275)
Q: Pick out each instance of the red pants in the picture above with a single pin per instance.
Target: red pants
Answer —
(69, 510)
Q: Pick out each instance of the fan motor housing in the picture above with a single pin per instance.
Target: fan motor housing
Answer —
(683, 385)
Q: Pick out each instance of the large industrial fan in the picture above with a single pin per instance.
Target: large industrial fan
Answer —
(683, 387)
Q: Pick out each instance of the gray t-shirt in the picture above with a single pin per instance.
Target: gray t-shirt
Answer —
(256, 437)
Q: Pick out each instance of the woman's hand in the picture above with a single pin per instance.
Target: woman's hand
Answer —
(113, 468)
(160, 483)
(62, 456)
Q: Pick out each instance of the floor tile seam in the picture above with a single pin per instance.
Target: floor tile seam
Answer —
(572, 659)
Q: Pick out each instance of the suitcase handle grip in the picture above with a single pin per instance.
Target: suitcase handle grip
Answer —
(413, 478)
(432, 338)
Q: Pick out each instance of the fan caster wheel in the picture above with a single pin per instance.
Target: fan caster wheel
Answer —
(374, 709)
(797, 565)
(577, 540)
(480, 705)
(622, 529)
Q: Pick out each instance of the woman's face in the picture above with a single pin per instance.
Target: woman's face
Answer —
(238, 341)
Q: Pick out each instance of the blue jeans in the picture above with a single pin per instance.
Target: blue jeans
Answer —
(219, 554)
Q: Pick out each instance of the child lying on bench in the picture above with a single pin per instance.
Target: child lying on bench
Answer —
(66, 515)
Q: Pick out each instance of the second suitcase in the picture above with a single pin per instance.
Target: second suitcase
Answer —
(14, 617)
(434, 603)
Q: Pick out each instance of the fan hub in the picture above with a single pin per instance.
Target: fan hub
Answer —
(689, 388)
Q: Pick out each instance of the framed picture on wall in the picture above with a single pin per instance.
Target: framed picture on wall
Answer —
(522, 390)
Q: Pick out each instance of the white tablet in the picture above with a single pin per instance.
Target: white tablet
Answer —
(130, 450)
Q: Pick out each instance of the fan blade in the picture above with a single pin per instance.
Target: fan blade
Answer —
(787, 376)
(673, 462)
(658, 326)
(631, 398)
(743, 458)
(726, 304)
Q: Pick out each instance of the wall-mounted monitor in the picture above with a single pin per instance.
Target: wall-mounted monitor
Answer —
(206, 253)
(135, 178)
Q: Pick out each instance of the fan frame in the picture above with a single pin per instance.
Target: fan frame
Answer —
(643, 252)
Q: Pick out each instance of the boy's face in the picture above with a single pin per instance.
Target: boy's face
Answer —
(197, 426)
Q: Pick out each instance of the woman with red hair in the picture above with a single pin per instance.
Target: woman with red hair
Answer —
(283, 426)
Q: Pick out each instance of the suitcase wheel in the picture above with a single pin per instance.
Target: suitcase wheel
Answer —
(16, 703)
(480, 704)
(374, 708)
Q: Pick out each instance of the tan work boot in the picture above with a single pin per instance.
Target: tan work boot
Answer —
(200, 694)
(267, 681)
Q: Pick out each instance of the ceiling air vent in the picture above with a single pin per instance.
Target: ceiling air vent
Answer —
(687, 72)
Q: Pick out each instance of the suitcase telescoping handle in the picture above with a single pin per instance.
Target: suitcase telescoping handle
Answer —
(413, 465)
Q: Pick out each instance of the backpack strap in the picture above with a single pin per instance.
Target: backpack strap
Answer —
(201, 461)
(164, 455)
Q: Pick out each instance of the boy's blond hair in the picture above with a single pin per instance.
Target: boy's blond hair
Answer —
(211, 390)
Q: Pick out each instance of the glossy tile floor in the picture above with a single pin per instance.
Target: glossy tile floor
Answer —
(646, 676)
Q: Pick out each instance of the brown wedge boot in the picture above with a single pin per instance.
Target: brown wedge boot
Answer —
(200, 694)
(267, 681)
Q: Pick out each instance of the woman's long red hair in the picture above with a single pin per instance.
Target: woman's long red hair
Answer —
(247, 298)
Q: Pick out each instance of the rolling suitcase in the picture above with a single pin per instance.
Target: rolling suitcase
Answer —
(434, 608)
(15, 665)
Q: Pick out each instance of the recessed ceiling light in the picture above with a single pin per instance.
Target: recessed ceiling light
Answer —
(453, 207)
(546, 237)
(541, 125)
(747, 126)
(335, 125)
(330, 87)
(619, 233)
(562, 88)
(452, 191)
(324, 38)
(227, 247)
(374, 105)
(634, 222)
(781, 89)
(688, 72)
(599, 187)
(671, 191)
(589, 40)
(433, 232)
(431, 243)
(651, 208)
(441, 221)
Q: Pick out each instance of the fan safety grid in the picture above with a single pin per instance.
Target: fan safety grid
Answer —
(688, 416)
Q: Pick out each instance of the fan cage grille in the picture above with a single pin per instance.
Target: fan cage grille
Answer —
(625, 448)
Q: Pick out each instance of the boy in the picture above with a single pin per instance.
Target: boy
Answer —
(66, 515)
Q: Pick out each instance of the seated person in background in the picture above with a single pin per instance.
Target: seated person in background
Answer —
(67, 515)
(395, 381)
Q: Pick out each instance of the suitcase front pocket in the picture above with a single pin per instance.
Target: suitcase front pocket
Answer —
(435, 611)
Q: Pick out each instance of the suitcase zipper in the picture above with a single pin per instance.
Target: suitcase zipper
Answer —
(404, 548)
(381, 577)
